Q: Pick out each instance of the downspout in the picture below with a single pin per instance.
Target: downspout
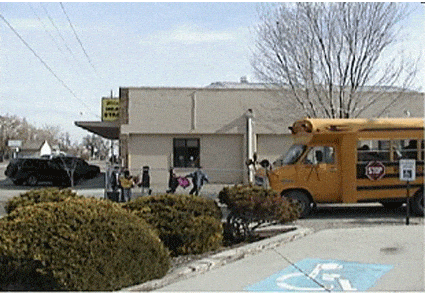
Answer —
(250, 144)
(193, 114)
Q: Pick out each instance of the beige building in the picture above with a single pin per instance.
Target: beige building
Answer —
(217, 127)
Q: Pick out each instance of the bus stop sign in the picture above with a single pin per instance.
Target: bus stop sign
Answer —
(375, 170)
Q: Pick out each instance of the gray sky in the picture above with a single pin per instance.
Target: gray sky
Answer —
(113, 45)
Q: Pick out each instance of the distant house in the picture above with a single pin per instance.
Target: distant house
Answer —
(35, 149)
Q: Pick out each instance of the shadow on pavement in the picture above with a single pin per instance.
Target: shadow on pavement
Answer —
(358, 211)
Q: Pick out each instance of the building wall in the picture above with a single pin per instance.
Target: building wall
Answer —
(271, 146)
(186, 110)
(221, 157)
(152, 117)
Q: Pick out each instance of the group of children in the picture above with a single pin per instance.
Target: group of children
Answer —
(198, 180)
(124, 182)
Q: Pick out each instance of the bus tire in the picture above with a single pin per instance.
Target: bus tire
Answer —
(417, 203)
(304, 202)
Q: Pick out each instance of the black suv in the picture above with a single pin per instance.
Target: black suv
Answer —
(31, 171)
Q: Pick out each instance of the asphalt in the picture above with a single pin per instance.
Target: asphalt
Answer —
(380, 258)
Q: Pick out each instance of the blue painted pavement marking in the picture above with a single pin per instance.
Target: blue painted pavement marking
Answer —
(335, 275)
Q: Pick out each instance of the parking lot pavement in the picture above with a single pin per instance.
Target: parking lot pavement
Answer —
(379, 258)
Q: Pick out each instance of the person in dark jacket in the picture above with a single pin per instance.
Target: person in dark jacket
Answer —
(145, 182)
(173, 183)
(198, 179)
(115, 175)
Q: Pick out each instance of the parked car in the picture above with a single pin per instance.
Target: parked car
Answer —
(83, 170)
(57, 170)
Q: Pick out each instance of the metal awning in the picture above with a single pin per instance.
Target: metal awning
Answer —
(106, 129)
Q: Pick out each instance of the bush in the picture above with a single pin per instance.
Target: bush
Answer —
(252, 206)
(39, 195)
(186, 224)
(78, 244)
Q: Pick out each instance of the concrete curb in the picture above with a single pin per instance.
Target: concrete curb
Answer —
(220, 259)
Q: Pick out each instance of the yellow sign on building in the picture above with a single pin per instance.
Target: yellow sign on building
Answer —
(110, 109)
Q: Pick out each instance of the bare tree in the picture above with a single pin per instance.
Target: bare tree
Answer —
(97, 145)
(328, 57)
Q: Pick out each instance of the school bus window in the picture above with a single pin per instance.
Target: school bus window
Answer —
(410, 149)
(320, 155)
(422, 150)
(363, 151)
(383, 150)
(291, 157)
(397, 149)
(373, 150)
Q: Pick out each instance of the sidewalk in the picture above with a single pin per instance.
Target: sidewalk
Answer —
(381, 258)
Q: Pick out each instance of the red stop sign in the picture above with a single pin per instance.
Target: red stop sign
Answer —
(375, 170)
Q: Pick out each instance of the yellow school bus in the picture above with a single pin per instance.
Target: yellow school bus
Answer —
(351, 161)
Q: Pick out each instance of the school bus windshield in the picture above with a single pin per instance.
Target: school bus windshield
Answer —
(291, 157)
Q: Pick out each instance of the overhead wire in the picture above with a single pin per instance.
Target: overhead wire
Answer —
(58, 31)
(79, 40)
(46, 65)
(63, 40)
(51, 36)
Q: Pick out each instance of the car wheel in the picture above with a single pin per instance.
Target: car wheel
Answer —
(17, 182)
(304, 203)
(32, 180)
(417, 203)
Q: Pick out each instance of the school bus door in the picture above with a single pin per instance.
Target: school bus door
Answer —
(318, 172)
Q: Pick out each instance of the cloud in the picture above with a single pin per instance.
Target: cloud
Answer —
(189, 35)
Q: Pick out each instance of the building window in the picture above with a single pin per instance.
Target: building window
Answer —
(186, 152)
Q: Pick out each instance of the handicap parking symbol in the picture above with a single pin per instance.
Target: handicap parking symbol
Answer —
(323, 275)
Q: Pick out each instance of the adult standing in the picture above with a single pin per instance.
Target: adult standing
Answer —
(126, 183)
(198, 179)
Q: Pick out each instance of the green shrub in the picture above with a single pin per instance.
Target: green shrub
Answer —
(39, 195)
(256, 202)
(252, 206)
(78, 244)
(186, 224)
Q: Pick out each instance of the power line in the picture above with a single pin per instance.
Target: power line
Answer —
(78, 39)
(60, 35)
(54, 39)
(51, 36)
(46, 65)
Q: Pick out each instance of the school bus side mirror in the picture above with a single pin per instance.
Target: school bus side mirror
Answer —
(265, 164)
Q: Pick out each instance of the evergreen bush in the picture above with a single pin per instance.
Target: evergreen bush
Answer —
(39, 195)
(252, 206)
(78, 244)
(187, 224)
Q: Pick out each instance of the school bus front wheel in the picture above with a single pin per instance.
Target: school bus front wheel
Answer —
(303, 201)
